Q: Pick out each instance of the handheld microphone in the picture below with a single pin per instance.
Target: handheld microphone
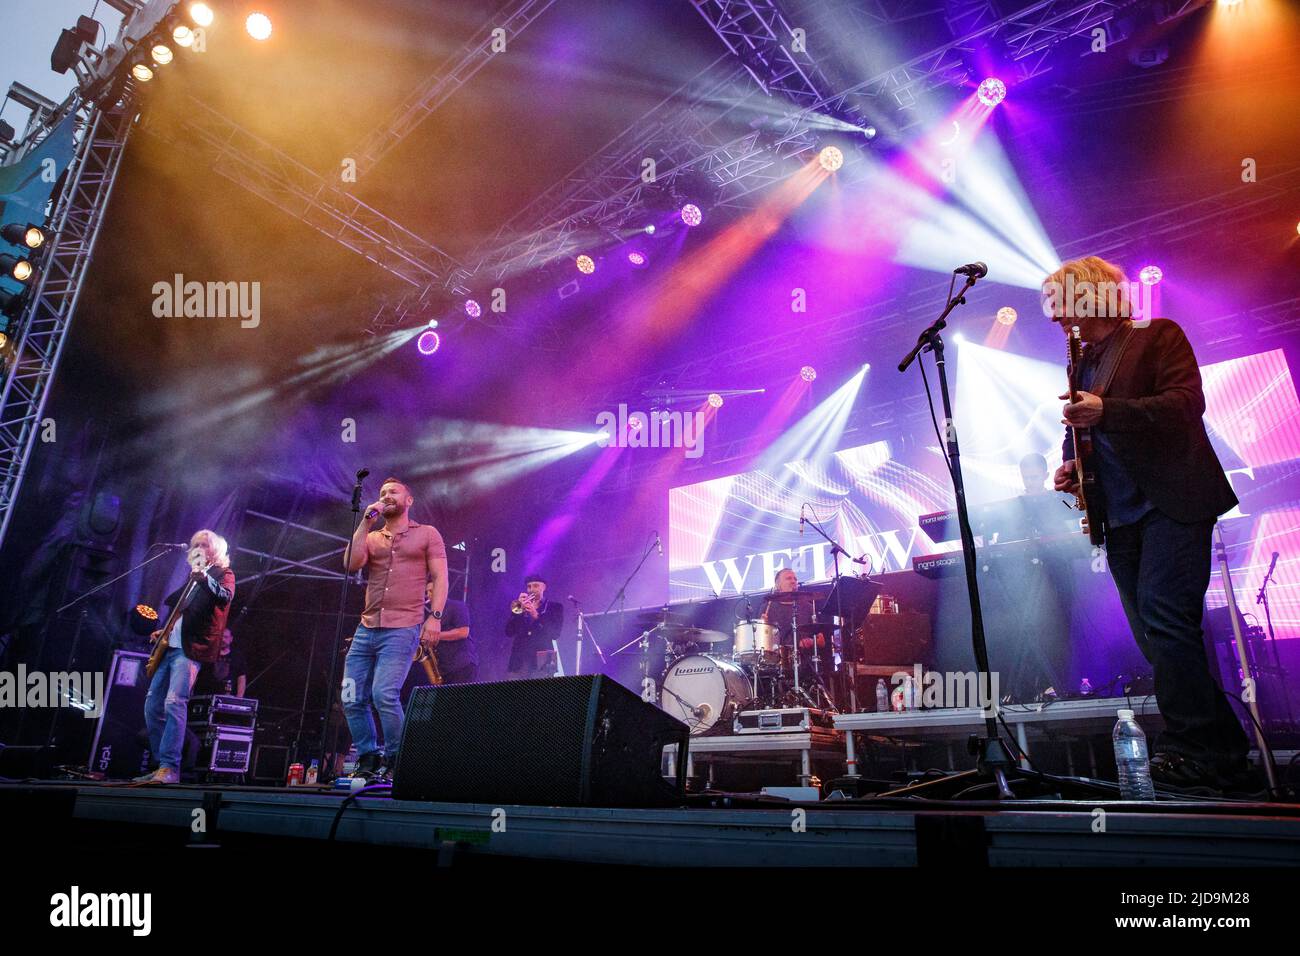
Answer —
(976, 270)
(370, 513)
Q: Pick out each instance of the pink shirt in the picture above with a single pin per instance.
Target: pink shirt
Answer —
(397, 572)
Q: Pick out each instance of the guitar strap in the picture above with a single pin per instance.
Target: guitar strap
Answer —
(1110, 362)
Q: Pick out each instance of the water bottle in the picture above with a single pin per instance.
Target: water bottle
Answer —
(312, 773)
(882, 696)
(1131, 759)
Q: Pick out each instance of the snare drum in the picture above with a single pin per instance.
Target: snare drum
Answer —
(757, 642)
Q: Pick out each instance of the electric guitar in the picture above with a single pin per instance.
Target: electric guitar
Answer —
(162, 641)
(1088, 498)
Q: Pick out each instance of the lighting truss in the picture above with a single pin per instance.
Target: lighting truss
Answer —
(42, 326)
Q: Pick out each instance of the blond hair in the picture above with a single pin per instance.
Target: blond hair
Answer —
(220, 548)
(1086, 287)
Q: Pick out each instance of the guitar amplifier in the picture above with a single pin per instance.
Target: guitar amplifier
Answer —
(784, 720)
(225, 750)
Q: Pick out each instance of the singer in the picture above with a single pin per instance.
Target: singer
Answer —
(405, 562)
(1163, 489)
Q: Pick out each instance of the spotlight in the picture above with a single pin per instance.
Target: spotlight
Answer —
(715, 399)
(428, 342)
(869, 132)
(586, 264)
(691, 215)
(201, 14)
(1007, 315)
(650, 229)
(17, 234)
(15, 268)
(992, 91)
(142, 72)
(831, 159)
(473, 309)
(258, 26)
(4, 340)
(807, 373)
(182, 35)
(636, 258)
(433, 323)
(162, 54)
(1150, 275)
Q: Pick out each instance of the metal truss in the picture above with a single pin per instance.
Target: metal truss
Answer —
(438, 88)
(268, 172)
(43, 324)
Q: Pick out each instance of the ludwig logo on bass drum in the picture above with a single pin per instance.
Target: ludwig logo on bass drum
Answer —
(696, 670)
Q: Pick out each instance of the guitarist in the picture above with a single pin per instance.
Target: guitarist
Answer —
(1162, 489)
(198, 620)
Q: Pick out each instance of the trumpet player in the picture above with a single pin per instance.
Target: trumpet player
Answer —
(406, 563)
(535, 624)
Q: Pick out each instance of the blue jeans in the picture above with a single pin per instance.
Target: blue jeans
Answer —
(1161, 568)
(167, 706)
(375, 668)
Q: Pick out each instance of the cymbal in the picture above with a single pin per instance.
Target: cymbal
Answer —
(678, 634)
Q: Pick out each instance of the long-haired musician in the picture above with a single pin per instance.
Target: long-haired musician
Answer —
(1163, 489)
(194, 639)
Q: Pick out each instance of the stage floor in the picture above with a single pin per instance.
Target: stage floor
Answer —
(747, 832)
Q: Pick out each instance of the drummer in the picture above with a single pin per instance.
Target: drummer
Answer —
(784, 605)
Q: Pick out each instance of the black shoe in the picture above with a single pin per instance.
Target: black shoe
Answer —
(368, 765)
(1176, 772)
(385, 774)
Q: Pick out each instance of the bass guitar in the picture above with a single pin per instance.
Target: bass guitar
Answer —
(1088, 498)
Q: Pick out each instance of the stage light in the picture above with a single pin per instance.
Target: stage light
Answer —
(869, 132)
(18, 269)
(992, 91)
(1150, 275)
(715, 399)
(650, 229)
(1297, 228)
(1007, 315)
(1229, 3)
(142, 72)
(17, 234)
(958, 338)
(11, 303)
(473, 309)
(586, 264)
(433, 323)
(807, 373)
(258, 26)
(182, 35)
(162, 54)
(201, 14)
(4, 340)
(636, 258)
(830, 158)
(691, 215)
(428, 342)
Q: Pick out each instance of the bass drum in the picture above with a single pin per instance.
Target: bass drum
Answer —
(704, 692)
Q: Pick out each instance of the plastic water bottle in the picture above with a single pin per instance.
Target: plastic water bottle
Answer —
(882, 696)
(1131, 759)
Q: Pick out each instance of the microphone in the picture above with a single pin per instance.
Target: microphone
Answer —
(801, 519)
(182, 545)
(976, 270)
(362, 473)
(370, 513)
(575, 600)
(659, 545)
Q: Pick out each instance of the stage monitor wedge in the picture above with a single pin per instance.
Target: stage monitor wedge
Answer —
(559, 741)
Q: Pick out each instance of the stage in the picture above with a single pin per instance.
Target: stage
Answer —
(754, 832)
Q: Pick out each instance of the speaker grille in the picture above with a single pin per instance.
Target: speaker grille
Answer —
(567, 741)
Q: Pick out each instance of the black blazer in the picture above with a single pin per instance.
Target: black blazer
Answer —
(1152, 414)
(204, 619)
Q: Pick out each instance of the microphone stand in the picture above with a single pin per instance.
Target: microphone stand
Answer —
(993, 759)
(836, 551)
(621, 600)
(1262, 598)
(99, 587)
(326, 773)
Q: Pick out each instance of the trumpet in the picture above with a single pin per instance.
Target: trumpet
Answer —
(524, 600)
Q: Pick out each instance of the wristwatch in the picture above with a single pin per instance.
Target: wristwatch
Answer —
(436, 615)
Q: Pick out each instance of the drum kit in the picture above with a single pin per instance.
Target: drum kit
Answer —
(704, 686)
